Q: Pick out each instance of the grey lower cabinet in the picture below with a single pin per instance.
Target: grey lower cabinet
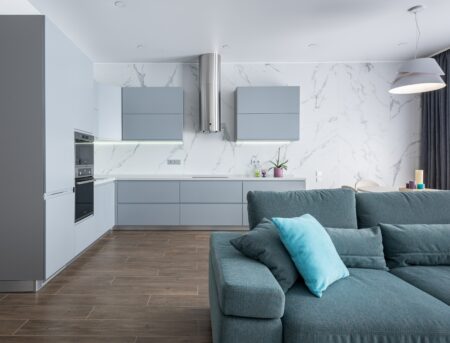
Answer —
(191, 203)
(268, 113)
(211, 214)
(148, 214)
(152, 113)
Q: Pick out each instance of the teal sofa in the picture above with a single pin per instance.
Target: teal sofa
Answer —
(406, 304)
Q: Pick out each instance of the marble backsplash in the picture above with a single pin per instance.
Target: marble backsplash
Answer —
(350, 126)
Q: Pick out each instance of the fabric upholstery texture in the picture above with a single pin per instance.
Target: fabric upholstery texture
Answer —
(368, 306)
(359, 248)
(434, 280)
(331, 207)
(264, 245)
(231, 329)
(402, 208)
(312, 251)
(245, 287)
(416, 244)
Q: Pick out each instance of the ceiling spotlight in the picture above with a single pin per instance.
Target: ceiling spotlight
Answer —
(313, 45)
(402, 43)
(139, 46)
(119, 4)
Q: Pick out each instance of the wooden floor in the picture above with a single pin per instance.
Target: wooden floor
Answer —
(131, 286)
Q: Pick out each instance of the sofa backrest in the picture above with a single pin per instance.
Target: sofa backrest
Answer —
(331, 207)
(403, 208)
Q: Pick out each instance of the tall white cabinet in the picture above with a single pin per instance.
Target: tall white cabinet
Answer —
(46, 93)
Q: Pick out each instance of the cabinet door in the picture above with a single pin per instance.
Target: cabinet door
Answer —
(152, 127)
(148, 214)
(100, 209)
(152, 100)
(268, 126)
(86, 233)
(211, 192)
(60, 235)
(148, 192)
(69, 105)
(109, 109)
(110, 205)
(211, 214)
(281, 99)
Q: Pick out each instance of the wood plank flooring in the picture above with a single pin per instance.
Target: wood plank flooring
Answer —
(131, 287)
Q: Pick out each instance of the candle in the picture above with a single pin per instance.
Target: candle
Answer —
(419, 176)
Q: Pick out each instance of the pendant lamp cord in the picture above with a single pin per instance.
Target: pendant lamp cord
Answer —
(417, 34)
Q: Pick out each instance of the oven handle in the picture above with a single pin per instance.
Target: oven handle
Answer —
(84, 182)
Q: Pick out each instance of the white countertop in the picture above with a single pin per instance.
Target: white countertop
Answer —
(102, 180)
(108, 178)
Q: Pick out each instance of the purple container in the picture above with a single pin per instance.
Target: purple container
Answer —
(277, 172)
(412, 185)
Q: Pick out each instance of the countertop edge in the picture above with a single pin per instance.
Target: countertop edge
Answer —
(110, 178)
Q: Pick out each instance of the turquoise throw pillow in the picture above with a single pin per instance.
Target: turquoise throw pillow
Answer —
(312, 251)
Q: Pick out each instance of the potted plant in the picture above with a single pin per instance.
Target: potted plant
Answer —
(278, 166)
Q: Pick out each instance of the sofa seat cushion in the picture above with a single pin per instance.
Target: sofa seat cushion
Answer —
(368, 306)
(245, 287)
(434, 280)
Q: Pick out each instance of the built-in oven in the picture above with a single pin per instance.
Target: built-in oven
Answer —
(84, 197)
(84, 178)
(84, 150)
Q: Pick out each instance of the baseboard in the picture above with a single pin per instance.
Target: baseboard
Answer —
(20, 286)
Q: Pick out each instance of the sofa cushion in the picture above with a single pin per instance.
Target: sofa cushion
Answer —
(434, 280)
(416, 244)
(331, 207)
(402, 208)
(368, 306)
(245, 287)
(359, 248)
(264, 245)
(312, 251)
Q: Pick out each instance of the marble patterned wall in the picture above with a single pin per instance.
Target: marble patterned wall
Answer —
(350, 126)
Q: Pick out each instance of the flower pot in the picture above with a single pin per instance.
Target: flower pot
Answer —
(277, 172)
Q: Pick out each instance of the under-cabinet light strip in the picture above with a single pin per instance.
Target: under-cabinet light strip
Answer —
(138, 142)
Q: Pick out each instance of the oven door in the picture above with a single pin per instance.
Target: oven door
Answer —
(84, 153)
(84, 198)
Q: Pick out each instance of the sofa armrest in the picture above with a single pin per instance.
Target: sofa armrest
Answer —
(245, 287)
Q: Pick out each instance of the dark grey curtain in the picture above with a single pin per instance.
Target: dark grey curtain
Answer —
(435, 149)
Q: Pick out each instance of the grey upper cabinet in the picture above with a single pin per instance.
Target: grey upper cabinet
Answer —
(152, 113)
(152, 100)
(268, 113)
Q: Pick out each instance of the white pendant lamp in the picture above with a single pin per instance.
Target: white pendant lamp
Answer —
(420, 74)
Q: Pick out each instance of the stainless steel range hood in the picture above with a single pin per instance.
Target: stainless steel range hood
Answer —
(210, 92)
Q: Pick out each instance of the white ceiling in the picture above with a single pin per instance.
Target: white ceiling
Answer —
(250, 30)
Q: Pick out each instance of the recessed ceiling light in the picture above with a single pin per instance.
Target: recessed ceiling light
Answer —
(402, 43)
(119, 4)
(139, 46)
(313, 45)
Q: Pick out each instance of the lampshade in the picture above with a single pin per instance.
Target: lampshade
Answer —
(411, 83)
(418, 76)
(421, 65)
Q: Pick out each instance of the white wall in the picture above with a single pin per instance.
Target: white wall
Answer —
(350, 126)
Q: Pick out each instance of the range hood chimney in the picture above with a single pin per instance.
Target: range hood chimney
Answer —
(210, 92)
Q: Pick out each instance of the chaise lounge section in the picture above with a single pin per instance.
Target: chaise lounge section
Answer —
(405, 304)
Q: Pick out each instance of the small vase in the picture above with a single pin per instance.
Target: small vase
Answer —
(277, 172)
